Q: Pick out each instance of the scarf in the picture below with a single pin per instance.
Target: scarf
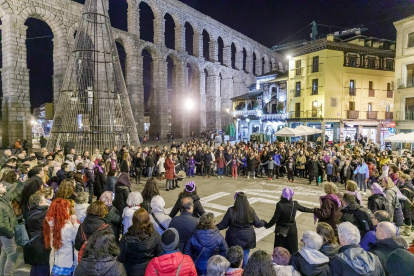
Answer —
(331, 197)
(99, 168)
(356, 194)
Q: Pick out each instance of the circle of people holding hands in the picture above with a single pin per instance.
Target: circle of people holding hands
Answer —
(76, 214)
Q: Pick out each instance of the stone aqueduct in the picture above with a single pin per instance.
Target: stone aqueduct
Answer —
(224, 81)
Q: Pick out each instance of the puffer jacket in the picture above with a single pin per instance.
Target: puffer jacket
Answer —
(198, 208)
(136, 254)
(211, 241)
(330, 250)
(167, 265)
(7, 218)
(90, 225)
(114, 219)
(93, 267)
(377, 202)
(121, 196)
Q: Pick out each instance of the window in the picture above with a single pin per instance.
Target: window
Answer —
(369, 107)
(315, 64)
(389, 91)
(371, 62)
(410, 40)
(334, 102)
(352, 89)
(298, 88)
(298, 67)
(315, 87)
(388, 86)
(297, 110)
(351, 105)
(389, 64)
(387, 108)
(352, 60)
(371, 91)
(273, 89)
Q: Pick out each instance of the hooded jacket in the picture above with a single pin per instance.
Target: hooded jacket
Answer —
(211, 241)
(93, 267)
(127, 217)
(34, 226)
(167, 265)
(80, 211)
(310, 262)
(122, 191)
(383, 248)
(90, 225)
(284, 270)
(157, 209)
(352, 260)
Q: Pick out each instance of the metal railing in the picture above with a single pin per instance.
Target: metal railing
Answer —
(305, 114)
(371, 93)
(373, 115)
(390, 93)
(352, 91)
(353, 114)
(405, 82)
(389, 115)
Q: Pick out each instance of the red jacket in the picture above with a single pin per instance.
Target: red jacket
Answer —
(169, 168)
(167, 265)
(235, 272)
(221, 163)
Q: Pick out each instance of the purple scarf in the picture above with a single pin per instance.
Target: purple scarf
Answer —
(99, 168)
(356, 194)
(332, 197)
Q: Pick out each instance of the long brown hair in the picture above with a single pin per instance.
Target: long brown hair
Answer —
(150, 189)
(141, 225)
(66, 189)
(243, 213)
(327, 233)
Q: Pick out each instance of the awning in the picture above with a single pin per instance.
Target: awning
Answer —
(308, 130)
(290, 132)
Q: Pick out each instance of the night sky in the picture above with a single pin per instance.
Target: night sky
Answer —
(269, 22)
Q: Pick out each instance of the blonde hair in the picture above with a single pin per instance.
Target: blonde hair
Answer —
(351, 186)
(389, 182)
(330, 188)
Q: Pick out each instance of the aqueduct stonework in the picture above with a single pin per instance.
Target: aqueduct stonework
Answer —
(224, 81)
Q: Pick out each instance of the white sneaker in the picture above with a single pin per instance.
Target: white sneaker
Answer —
(232, 177)
(254, 177)
(218, 176)
(247, 177)
(221, 176)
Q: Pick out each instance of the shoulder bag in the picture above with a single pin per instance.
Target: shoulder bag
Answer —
(284, 230)
(158, 222)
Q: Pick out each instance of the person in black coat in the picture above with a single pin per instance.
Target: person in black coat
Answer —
(314, 167)
(356, 214)
(113, 217)
(241, 225)
(100, 256)
(284, 216)
(99, 179)
(190, 190)
(122, 191)
(185, 223)
(138, 164)
(139, 245)
(207, 159)
(34, 227)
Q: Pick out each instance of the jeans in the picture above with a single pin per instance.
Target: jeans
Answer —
(8, 256)
(246, 253)
(220, 171)
(37, 270)
(150, 170)
(138, 173)
(248, 174)
(207, 170)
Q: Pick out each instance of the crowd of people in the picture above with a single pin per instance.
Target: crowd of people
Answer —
(75, 213)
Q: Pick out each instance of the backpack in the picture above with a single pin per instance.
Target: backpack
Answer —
(20, 233)
(365, 223)
(80, 253)
(384, 204)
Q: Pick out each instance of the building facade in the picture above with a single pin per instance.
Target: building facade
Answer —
(404, 75)
(343, 87)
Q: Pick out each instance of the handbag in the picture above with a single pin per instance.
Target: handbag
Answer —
(284, 230)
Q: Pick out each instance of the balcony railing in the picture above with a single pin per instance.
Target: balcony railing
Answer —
(373, 115)
(353, 114)
(305, 114)
(352, 91)
(296, 92)
(259, 113)
(390, 94)
(298, 71)
(409, 112)
(237, 113)
(405, 82)
(389, 115)
(371, 93)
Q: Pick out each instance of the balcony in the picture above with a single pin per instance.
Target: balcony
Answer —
(371, 93)
(405, 82)
(305, 114)
(353, 114)
(389, 115)
(352, 91)
(372, 115)
(298, 72)
(390, 94)
(259, 113)
(296, 92)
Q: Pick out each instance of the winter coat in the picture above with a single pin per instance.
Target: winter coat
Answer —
(269, 164)
(99, 183)
(310, 262)
(169, 169)
(127, 214)
(329, 212)
(300, 162)
(34, 226)
(407, 190)
(114, 219)
(80, 211)
(330, 250)
(240, 234)
(106, 267)
(277, 158)
(347, 171)
(285, 270)
(383, 248)
(160, 163)
(198, 208)
(352, 260)
(185, 225)
(377, 202)
(90, 225)
(138, 162)
(251, 164)
(150, 161)
(110, 183)
(221, 163)
(65, 256)
(207, 159)
(314, 167)
(167, 265)
(136, 254)
(349, 214)
(7, 218)
(162, 219)
(392, 197)
(285, 216)
(121, 196)
(203, 244)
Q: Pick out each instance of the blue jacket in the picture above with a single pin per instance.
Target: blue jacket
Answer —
(213, 243)
(277, 158)
(244, 160)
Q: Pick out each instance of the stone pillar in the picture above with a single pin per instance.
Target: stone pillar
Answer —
(179, 118)
(60, 64)
(180, 37)
(266, 67)
(249, 63)
(378, 137)
(213, 50)
(226, 103)
(133, 17)
(135, 88)
(336, 131)
(323, 128)
(202, 102)
(342, 130)
(15, 75)
(159, 29)
(159, 100)
(227, 56)
(213, 103)
(239, 60)
(258, 66)
(198, 43)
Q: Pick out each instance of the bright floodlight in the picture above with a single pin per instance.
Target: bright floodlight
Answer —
(289, 57)
(189, 104)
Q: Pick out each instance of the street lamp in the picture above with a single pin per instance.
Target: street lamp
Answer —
(189, 104)
(315, 103)
(228, 110)
(247, 120)
(288, 57)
